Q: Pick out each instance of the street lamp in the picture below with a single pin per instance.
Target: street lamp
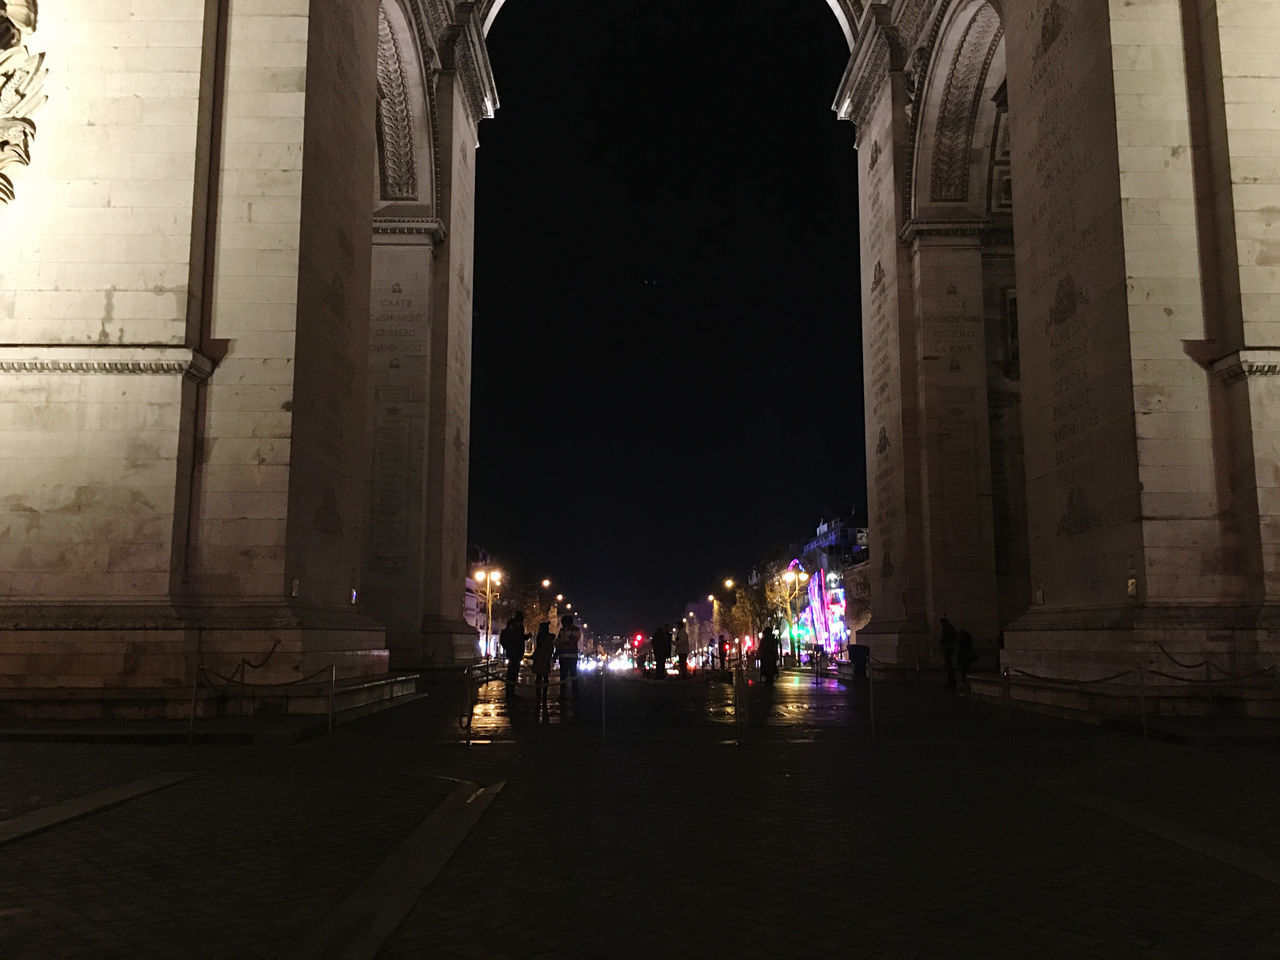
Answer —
(490, 580)
(545, 584)
(728, 584)
(791, 583)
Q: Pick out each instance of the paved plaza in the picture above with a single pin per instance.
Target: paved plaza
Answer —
(670, 829)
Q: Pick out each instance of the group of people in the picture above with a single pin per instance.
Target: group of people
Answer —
(562, 647)
(663, 643)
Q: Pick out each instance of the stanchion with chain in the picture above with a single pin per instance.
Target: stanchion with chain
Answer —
(1142, 697)
(871, 696)
(1006, 694)
(333, 682)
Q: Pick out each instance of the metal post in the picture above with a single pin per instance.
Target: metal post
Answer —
(333, 682)
(1142, 697)
(737, 701)
(242, 671)
(1006, 694)
(604, 676)
(195, 686)
(471, 706)
(871, 696)
(1208, 684)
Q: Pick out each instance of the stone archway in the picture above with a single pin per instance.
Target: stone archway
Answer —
(187, 374)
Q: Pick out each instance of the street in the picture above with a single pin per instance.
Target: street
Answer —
(668, 829)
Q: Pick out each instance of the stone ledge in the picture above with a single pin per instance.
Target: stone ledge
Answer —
(81, 359)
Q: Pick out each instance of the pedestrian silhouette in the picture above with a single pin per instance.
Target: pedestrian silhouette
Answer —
(950, 640)
(768, 655)
(544, 646)
(567, 641)
(662, 649)
(722, 649)
(682, 648)
(512, 640)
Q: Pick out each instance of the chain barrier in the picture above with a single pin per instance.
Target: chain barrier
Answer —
(1110, 678)
(1177, 662)
(207, 676)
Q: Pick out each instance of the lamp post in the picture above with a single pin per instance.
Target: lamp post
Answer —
(791, 582)
(489, 580)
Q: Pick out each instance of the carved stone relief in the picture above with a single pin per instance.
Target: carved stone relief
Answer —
(398, 170)
(961, 100)
(21, 88)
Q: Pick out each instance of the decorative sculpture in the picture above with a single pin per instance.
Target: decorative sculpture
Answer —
(21, 88)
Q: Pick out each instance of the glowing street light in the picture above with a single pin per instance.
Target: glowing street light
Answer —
(545, 584)
(728, 584)
(559, 597)
(490, 580)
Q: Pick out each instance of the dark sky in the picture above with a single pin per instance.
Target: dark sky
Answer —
(667, 368)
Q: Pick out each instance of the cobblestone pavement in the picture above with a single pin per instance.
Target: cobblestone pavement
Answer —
(666, 829)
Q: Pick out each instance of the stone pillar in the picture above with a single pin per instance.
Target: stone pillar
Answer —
(955, 458)
(464, 94)
(899, 627)
(1140, 495)
(399, 383)
(173, 237)
(102, 260)
(1233, 89)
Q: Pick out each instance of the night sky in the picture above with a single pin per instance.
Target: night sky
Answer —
(667, 369)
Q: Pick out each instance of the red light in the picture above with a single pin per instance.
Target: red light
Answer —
(639, 637)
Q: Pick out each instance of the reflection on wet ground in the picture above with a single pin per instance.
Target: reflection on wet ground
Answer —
(629, 706)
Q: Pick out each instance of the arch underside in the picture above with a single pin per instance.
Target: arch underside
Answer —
(405, 124)
(848, 14)
(957, 116)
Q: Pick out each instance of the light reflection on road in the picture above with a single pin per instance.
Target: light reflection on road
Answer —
(797, 705)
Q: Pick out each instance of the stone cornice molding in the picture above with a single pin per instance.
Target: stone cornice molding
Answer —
(915, 229)
(112, 360)
(876, 52)
(429, 227)
(463, 52)
(1246, 363)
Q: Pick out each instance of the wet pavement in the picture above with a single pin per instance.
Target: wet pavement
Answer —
(651, 817)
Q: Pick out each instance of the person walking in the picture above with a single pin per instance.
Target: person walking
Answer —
(722, 649)
(662, 649)
(512, 640)
(567, 641)
(544, 645)
(768, 655)
(682, 648)
(949, 641)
